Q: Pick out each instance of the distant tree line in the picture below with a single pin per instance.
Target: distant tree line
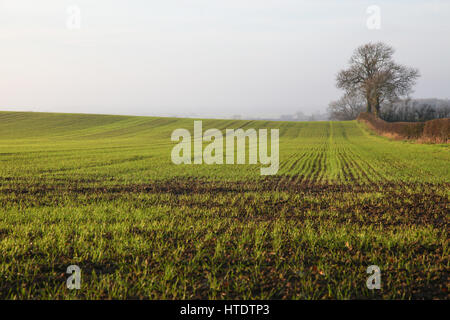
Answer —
(416, 110)
(408, 110)
(298, 116)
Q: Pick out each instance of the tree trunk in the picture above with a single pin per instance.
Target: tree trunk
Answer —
(369, 104)
(376, 109)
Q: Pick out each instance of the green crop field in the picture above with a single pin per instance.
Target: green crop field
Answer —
(101, 192)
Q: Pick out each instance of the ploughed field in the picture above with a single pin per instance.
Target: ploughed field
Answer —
(101, 192)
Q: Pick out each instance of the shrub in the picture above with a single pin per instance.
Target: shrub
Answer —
(434, 131)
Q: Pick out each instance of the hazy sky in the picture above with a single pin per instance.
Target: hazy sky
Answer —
(207, 57)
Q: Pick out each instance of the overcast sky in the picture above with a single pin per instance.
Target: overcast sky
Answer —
(206, 57)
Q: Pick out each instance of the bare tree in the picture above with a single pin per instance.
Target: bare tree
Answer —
(374, 75)
(346, 108)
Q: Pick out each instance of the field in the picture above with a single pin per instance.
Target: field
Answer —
(102, 193)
